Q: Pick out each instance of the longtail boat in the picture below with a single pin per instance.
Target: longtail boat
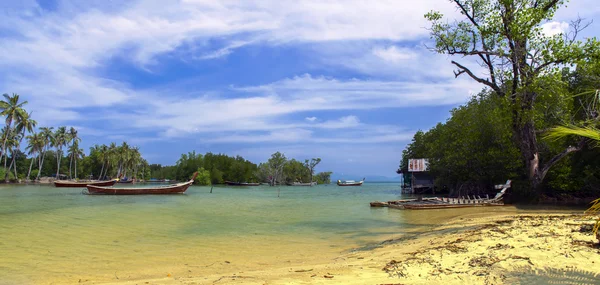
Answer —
(231, 183)
(74, 184)
(178, 188)
(125, 181)
(447, 203)
(350, 183)
(302, 184)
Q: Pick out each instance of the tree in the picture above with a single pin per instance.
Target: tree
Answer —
(203, 177)
(276, 164)
(13, 110)
(311, 166)
(35, 145)
(324, 177)
(73, 138)
(59, 141)
(520, 63)
(75, 153)
(24, 124)
(47, 136)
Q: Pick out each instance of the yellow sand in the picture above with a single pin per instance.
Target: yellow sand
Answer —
(505, 249)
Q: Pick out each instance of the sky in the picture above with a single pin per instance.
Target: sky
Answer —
(348, 81)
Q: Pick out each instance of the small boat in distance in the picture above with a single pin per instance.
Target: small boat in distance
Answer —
(231, 183)
(178, 188)
(302, 184)
(350, 182)
(78, 184)
(125, 181)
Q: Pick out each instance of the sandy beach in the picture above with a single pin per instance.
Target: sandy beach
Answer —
(502, 249)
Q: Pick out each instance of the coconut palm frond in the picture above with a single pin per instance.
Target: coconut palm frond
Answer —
(595, 210)
(564, 131)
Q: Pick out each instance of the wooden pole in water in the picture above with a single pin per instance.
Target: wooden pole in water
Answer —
(211, 189)
(278, 190)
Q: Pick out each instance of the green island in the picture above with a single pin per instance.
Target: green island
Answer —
(534, 121)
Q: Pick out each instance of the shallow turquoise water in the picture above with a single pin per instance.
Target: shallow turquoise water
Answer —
(59, 235)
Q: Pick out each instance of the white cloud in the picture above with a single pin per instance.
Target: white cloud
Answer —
(555, 28)
(311, 119)
(395, 54)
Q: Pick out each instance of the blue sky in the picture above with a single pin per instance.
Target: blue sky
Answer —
(347, 81)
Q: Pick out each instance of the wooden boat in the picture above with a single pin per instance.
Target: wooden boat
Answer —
(446, 203)
(231, 183)
(302, 184)
(74, 184)
(125, 181)
(350, 183)
(178, 188)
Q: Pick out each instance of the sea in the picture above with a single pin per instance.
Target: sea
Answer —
(60, 235)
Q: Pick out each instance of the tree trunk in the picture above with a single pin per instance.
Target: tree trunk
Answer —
(13, 163)
(101, 170)
(6, 171)
(75, 168)
(8, 129)
(41, 165)
(58, 157)
(70, 165)
(30, 166)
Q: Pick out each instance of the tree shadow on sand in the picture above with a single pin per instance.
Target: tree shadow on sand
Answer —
(528, 275)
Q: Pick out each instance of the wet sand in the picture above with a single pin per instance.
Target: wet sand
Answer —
(501, 249)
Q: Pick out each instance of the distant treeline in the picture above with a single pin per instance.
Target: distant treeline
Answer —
(475, 148)
(219, 168)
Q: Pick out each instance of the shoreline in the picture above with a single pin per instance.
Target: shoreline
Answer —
(497, 249)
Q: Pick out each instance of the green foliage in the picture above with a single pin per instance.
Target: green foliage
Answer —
(472, 150)
(3, 172)
(323, 177)
(521, 65)
(203, 177)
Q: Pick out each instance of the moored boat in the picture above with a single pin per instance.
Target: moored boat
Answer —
(76, 184)
(178, 188)
(350, 183)
(125, 181)
(302, 184)
(447, 203)
(231, 183)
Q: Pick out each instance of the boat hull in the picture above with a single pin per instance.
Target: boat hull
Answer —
(163, 190)
(230, 183)
(68, 184)
(350, 184)
(125, 181)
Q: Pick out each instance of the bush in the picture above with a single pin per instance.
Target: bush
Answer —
(203, 177)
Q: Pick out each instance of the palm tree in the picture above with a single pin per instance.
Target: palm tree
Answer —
(75, 153)
(73, 139)
(60, 140)
(589, 132)
(111, 156)
(47, 136)
(12, 110)
(11, 141)
(24, 124)
(103, 150)
(35, 145)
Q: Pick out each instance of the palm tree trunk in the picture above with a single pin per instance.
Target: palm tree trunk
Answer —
(14, 162)
(4, 143)
(70, 165)
(30, 166)
(75, 168)
(6, 171)
(101, 170)
(58, 157)
(41, 164)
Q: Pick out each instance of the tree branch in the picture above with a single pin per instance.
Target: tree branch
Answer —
(462, 69)
(560, 156)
